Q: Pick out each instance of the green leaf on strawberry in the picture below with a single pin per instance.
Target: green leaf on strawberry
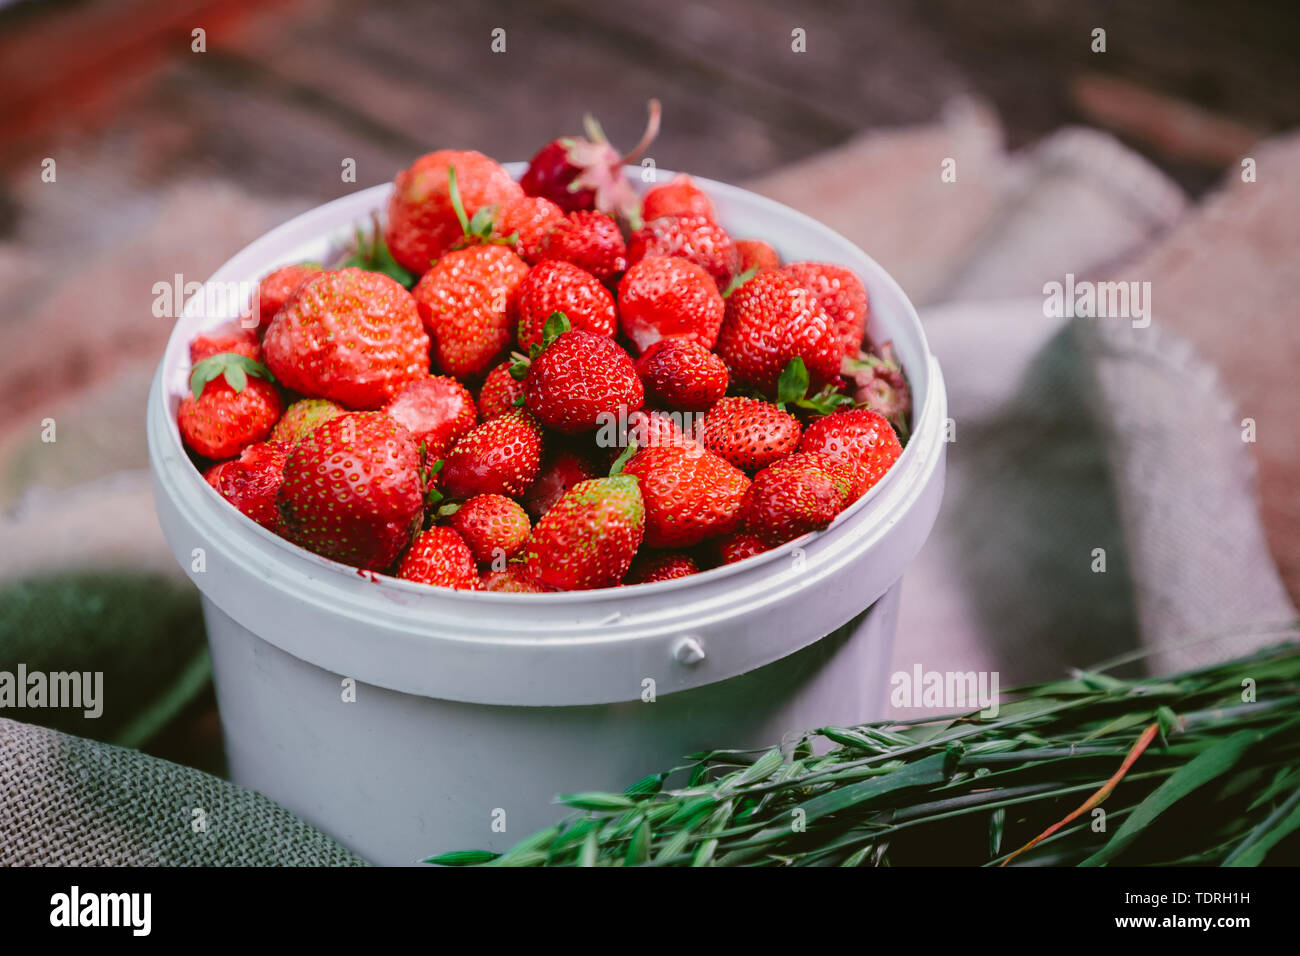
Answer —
(557, 323)
(372, 255)
(519, 366)
(739, 280)
(479, 229)
(792, 389)
(234, 367)
(793, 383)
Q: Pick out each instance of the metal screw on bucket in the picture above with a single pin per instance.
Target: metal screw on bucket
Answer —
(688, 651)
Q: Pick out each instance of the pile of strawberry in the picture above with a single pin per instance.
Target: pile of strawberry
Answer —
(546, 385)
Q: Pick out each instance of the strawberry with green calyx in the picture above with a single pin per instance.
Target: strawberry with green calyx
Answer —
(353, 490)
(556, 286)
(464, 301)
(437, 410)
(878, 384)
(233, 366)
(662, 297)
(252, 481)
(495, 527)
(230, 337)
(422, 223)
(579, 379)
(694, 238)
(682, 374)
(302, 416)
(440, 557)
(662, 566)
(556, 324)
(690, 495)
(862, 441)
(769, 321)
(841, 293)
(749, 432)
(579, 173)
(502, 456)
(232, 403)
(590, 535)
(352, 336)
(520, 222)
(524, 223)
(500, 391)
(792, 390)
(372, 255)
(592, 241)
(800, 493)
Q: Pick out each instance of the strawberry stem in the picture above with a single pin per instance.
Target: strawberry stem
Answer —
(453, 190)
(623, 458)
(648, 137)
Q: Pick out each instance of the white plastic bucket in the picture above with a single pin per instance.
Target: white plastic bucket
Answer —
(473, 710)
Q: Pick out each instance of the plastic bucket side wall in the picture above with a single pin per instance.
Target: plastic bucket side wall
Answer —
(360, 772)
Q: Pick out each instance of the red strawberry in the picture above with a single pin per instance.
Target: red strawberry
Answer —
(682, 374)
(302, 416)
(841, 293)
(499, 457)
(800, 493)
(591, 241)
(664, 566)
(757, 255)
(557, 286)
(226, 410)
(228, 338)
(528, 219)
(579, 379)
(464, 301)
(657, 428)
(577, 173)
(589, 537)
(422, 221)
(277, 288)
(681, 197)
(438, 411)
(651, 429)
(513, 580)
(663, 297)
(750, 433)
(739, 546)
(499, 391)
(696, 238)
(439, 557)
(352, 490)
(690, 495)
(861, 440)
(351, 336)
(561, 470)
(251, 481)
(771, 320)
(495, 527)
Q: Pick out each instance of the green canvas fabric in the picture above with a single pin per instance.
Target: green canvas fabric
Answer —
(68, 801)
